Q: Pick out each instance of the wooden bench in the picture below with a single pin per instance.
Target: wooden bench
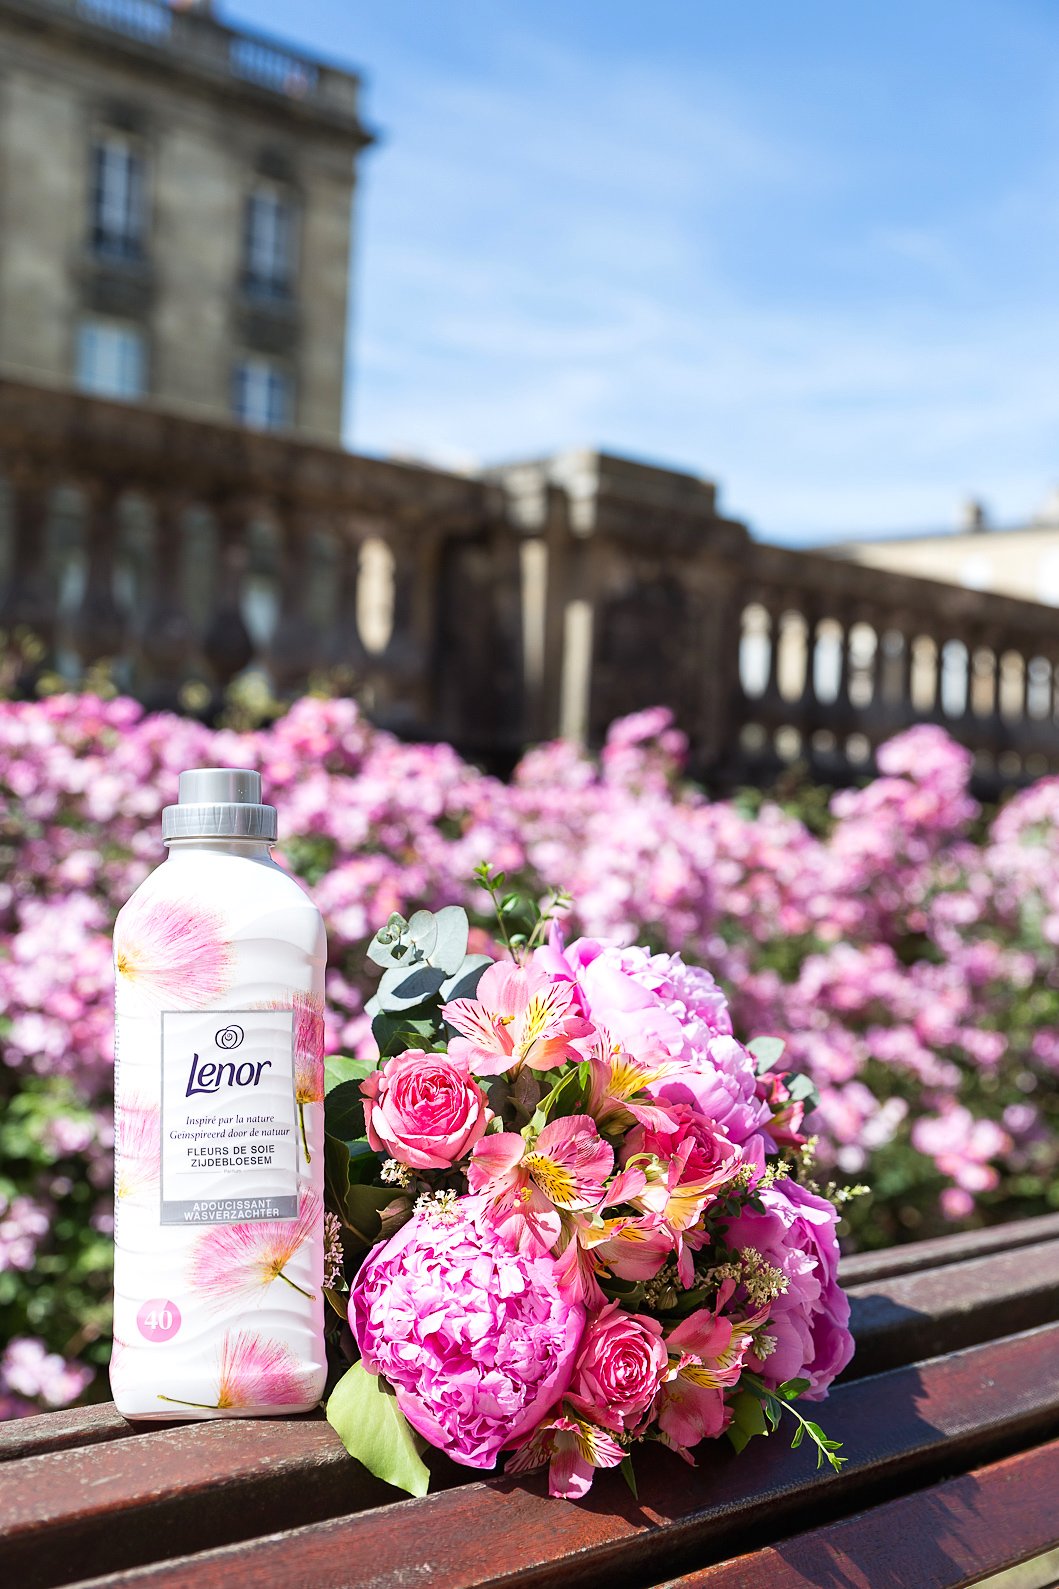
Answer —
(949, 1414)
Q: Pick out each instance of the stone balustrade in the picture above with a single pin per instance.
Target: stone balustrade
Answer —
(540, 599)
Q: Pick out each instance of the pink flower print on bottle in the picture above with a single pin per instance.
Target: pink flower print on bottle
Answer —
(254, 1371)
(308, 1058)
(232, 1263)
(137, 1151)
(171, 953)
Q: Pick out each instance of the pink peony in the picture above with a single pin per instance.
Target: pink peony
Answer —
(619, 1368)
(719, 1081)
(424, 1110)
(809, 1321)
(478, 1341)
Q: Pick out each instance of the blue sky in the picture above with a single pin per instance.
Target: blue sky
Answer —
(809, 250)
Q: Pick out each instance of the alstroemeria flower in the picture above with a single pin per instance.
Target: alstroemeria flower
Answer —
(617, 1078)
(693, 1160)
(573, 1449)
(707, 1352)
(631, 1246)
(566, 1167)
(520, 1017)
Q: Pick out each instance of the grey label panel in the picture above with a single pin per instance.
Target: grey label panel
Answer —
(227, 1210)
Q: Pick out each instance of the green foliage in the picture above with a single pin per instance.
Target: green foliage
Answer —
(69, 1299)
(759, 1410)
(363, 1411)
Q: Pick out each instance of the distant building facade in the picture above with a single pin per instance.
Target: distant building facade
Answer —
(175, 212)
(1021, 561)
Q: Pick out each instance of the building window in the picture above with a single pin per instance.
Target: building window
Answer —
(269, 244)
(118, 213)
(262, 395)
(111, 359)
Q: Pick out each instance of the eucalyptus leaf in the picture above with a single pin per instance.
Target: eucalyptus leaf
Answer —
(363, 1411)
(390, 945)
(767, 1051)
(463, 983)
(802, 1090)
(402, 988)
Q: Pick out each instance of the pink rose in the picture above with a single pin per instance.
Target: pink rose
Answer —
(619, 1368)
(424, 1110)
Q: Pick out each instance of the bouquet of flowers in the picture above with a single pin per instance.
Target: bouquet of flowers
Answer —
(568, 1211)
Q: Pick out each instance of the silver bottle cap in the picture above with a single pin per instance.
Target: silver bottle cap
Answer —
(219, 803)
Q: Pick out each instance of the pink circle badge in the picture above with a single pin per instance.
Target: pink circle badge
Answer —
(158, 1319)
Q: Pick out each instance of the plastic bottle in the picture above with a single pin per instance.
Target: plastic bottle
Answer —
(219, 969)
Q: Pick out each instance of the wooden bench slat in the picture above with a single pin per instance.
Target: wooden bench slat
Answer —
(941, 1250)
(926, 1312)
(909, 1427)
(62, 1431)
(984, 1521)
(998, 1293)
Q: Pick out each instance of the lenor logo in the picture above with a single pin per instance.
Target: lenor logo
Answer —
(215, 1074)
(229, 1037)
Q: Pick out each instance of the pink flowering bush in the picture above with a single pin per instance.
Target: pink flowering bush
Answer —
(902, 941)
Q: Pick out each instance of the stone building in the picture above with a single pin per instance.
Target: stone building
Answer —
(175, 212)
(1019, 560)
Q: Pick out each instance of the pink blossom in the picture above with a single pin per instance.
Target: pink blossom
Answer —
(518, 1017)
(808, 1321)
(707, 1354)
(478, 1341)
(565, 1168)
(424, 1110)
(29, 1369)
(573, 1450)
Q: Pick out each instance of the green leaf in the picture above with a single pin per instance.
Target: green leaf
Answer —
(363, 1411)
(340, 1067)
(363, 1162)
(463, 984)
(748, 1420)
(441, 936)
(402, 988)
(395, 1033)
(629, 1476)
(768, 1051)
(344, 1111)
(339, 1300)
(336, 1172)
(363, 1206)
(802, 1089)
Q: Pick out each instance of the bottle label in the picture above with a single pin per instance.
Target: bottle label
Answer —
(229, 1117)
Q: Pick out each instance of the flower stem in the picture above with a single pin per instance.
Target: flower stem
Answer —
(294, 1285)
(178, 1401)
(305, 1140)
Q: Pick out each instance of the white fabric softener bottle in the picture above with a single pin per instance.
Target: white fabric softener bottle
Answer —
(219, 969)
